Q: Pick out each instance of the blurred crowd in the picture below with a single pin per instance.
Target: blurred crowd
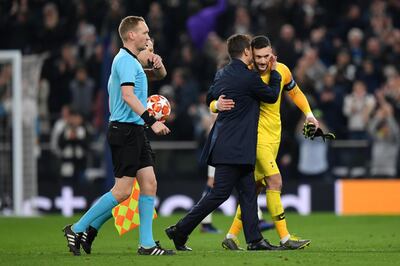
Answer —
(344, 55)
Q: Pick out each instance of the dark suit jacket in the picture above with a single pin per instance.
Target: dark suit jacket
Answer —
(233, 138)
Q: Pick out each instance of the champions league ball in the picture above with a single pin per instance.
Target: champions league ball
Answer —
(159, 107)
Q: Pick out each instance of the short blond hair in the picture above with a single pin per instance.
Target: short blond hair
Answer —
(127, 24)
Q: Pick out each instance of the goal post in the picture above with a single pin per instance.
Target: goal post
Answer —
(15, 58)
(19, 138)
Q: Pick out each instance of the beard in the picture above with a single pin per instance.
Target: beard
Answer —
(261, 70)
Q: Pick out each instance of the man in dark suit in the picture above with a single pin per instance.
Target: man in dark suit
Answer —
(231, 145)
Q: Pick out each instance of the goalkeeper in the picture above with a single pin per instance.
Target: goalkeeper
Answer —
(269, 136)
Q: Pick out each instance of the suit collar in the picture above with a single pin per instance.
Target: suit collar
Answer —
(235, 61)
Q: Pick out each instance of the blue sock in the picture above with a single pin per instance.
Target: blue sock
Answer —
(146, 212)
(105, 203)
(101, 220)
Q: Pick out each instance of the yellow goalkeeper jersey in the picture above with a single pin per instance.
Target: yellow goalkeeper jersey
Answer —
(269, 124)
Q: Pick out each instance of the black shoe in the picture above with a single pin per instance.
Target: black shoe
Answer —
(263, 244)
(157, 250)
(87, 239)
(73, 240)
(178, 239)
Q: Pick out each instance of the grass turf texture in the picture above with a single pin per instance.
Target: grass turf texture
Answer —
(357, 240)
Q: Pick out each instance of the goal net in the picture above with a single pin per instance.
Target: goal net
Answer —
(19, 79)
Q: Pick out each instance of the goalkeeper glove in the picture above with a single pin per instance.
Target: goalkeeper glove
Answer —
(311, 131)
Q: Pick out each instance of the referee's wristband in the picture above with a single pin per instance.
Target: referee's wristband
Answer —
(148, 119)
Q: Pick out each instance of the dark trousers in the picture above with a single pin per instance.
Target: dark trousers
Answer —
(226, 178)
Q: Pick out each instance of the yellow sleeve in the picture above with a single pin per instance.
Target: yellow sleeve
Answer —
(294, 91)
(286, 74)
(213, 107)
(300, 100)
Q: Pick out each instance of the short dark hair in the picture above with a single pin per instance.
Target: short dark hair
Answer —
(260, 41)
(237, 43)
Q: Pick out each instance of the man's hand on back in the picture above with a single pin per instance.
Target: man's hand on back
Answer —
(224, 104)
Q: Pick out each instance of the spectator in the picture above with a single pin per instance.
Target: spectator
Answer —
(355, 40)
(186, 91)
(392, 94)
(72, 148)
(343, 70)
(287, 47)
(58, 128)
(159, 27)
(315, 69)
(394, 12)
(313, 154)
(370, 75)
(94, 65)
(53, 33)
(203, 119)
(307, 14)
(357, 108)
(374, 51)
(331, 104)
(380, 23)
(115, 12)
(215, 49)
(322, 42)
(353, 19)
(21, 25)
(82, 92)
(385, 134)
(393, 42)
(86, 35)
(242, 24)
(59, 72)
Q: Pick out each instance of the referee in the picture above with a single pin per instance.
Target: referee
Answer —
(131, 152)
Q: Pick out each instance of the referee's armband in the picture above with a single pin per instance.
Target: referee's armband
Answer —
(290, 85)
(148, 119)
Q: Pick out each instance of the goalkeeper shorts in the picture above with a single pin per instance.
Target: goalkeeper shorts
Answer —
(266, 160)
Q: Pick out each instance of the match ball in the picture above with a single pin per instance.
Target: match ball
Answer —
(159, 107)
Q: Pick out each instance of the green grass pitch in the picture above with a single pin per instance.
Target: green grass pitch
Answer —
(356, 240)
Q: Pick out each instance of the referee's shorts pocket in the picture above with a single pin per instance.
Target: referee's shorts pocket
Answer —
(117, 135)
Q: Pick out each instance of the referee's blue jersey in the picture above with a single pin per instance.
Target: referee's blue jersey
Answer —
(126, 70)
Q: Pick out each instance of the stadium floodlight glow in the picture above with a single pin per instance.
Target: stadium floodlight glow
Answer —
(15, 57)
